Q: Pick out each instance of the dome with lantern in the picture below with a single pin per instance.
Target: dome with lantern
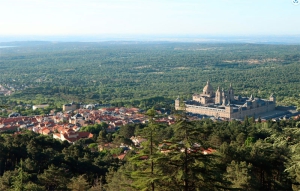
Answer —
(208, 89)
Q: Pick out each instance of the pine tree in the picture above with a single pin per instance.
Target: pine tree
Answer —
(20, 179)
(145, 176)
(189, 167)
(78, 184)
(121, 179)
(241, 176)
(54, 178)
(102, 137)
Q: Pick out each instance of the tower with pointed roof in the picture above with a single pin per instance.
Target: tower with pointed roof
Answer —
(224, 97)
(230, 93)
(218, 97)
(272, 98)
(251, 97)
(177, 103)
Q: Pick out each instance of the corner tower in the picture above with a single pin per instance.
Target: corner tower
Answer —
(272, 98)
(177, 103)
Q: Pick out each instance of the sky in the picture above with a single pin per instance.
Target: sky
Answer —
(149, 17)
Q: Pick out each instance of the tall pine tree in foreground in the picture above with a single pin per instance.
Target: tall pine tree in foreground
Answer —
(146, 178)
(181, 167)
(185, 166)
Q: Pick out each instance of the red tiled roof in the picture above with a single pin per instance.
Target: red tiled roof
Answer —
(122, 156)
(208, 151)
(85, 135)
(145, 157)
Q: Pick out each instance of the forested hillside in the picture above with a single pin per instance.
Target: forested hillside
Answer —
(238, 156)
(128, 73)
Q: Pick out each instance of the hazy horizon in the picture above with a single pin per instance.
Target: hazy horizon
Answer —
(262, 39)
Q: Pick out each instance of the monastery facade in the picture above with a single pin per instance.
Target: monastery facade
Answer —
(225, 104)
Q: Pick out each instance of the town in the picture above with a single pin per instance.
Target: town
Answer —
(68, 125)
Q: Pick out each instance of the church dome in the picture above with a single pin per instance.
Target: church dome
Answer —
(208, 89)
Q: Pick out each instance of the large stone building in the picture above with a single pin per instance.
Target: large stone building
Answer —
(224, 104)
(70, 106)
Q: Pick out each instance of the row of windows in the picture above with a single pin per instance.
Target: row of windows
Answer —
(206, 108)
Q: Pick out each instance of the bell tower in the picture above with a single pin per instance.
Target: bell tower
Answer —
(272, 98)
(177, 103)
(218, 97)
(224, 97)
(230, 93)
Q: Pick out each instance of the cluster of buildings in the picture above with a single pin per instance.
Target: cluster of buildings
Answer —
(166, 147)
(66, 125)
(46, 125)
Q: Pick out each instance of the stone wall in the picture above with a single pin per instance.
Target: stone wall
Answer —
(228, 113)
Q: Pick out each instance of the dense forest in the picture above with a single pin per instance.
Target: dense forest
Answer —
(246, 155)
(144, 73)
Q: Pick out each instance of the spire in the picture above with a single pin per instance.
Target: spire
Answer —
(251, 97)
(272, 98)
(223, 92)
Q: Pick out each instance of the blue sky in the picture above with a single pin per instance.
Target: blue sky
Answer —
(176, 17)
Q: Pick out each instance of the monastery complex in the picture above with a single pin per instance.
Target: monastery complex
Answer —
(224, 104)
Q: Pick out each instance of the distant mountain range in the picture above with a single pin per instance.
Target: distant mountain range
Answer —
(167, 38)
